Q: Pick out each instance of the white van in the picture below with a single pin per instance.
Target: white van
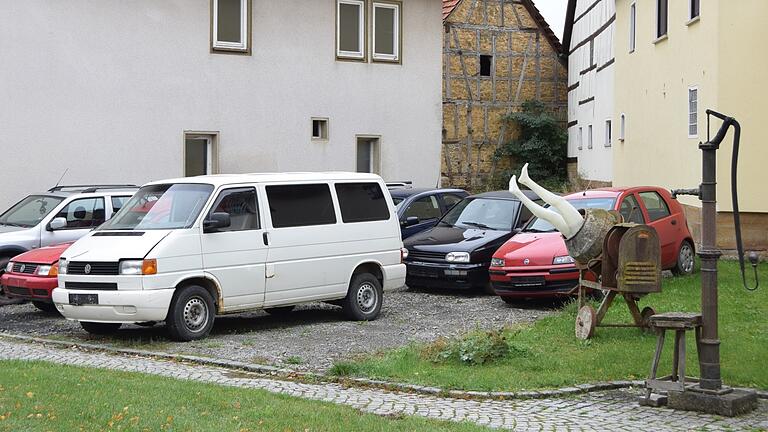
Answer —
(184, 250)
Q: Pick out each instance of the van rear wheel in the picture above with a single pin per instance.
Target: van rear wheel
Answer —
(191, 314)
(98, 328)
(364, 298)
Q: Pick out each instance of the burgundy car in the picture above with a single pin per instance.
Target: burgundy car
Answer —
(535, 262)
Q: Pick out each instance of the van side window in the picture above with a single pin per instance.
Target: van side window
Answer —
(241, 204)
(362, 202)
(300, 205)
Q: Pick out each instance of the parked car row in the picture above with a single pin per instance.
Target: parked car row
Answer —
(184, 250)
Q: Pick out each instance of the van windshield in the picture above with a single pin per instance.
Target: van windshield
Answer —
(161, 206)
(30, 211)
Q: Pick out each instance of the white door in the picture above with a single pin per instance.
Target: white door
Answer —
(236, 255)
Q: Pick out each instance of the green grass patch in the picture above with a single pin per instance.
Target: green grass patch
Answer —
(42, 396)
(546, 354)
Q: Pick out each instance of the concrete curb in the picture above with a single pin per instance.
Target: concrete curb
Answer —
(293, 375)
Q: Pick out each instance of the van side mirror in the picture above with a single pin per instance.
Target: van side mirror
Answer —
(57, 224)
(410, 221)
(216, 221)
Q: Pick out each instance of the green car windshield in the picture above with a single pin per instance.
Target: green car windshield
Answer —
(30, 211)
(161, 206)
(540, 225)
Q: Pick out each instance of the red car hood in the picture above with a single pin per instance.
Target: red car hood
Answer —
(538, 248)
(44, 255)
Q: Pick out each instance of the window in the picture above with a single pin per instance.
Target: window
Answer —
(241, 205)
(622, 126)
(162, 206)
(483, 213)
(485, 65)
(368, 155)
(694, 9)
(30, 211)
(450, 200)
(662, 18)
(350, 29)
(423, 208)
(230, 25)
(83, 213)
(200, 151)
(300, 205)
(693, 112)
(630, 211)
(589, 136)
(319, 128)
(118, 202)
(362, 202)
(655, 205)
(632, 26)
(581, 137)
(608, 138)
(386, 31)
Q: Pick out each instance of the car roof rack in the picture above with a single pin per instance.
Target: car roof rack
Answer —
(91, 188)
(400, 185)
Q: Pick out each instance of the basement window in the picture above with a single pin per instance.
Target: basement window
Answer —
(485, 65)
(386, 32)
(350, 29)
(230, 25)
(693, 112)
(319, 128)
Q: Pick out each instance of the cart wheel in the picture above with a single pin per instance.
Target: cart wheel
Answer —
(646, 315)
(586, 322)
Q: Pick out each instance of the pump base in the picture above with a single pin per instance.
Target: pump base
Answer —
(728, 404)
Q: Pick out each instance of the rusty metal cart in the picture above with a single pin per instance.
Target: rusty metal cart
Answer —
(630, 266)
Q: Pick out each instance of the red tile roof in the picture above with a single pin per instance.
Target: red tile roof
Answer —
(449, 6)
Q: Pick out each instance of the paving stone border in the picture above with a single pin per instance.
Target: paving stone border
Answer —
(292, 375)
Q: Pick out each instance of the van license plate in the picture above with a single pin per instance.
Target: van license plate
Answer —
(83, 299)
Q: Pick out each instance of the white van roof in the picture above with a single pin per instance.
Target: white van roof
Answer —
(224, 179)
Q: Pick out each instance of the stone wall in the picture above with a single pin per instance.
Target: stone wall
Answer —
(524, 66)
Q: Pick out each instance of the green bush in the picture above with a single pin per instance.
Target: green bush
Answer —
(476, 348)
(343, 369)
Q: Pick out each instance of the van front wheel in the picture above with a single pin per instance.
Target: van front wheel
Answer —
(364, 298)
(191, 314)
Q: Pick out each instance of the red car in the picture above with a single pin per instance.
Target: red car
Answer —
(535, 262)
(33, 275)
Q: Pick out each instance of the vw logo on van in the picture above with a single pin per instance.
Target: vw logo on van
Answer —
(87, 269)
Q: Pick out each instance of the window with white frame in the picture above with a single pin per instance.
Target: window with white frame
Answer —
(622, 126)
(386, 31)
(662, 18)
(581, 137)
(608, 137)
(589, 136)
(230, 25)
(632, 26)
(319, 128)
(350, 29)
(693, 112)
(694, 9)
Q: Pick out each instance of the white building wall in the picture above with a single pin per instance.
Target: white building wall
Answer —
(107, 88)
(590, 80)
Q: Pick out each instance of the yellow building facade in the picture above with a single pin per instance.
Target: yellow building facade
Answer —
(707, 56)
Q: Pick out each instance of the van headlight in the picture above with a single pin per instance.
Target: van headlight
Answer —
(497, 262)
(138, 267)
(459, 257)
(62, 266)
(565, 259)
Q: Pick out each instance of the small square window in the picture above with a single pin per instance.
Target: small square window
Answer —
(230, 25)
(485, 65)
(319, 128)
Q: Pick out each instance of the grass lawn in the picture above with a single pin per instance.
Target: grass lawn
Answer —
(546, 354)
(38, 396)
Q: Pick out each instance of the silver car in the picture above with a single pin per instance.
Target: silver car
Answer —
(61, 214)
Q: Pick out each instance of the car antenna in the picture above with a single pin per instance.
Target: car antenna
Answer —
(585, 190)
(61, 178)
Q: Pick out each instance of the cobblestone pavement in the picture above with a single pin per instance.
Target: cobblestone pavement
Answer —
(610, 411)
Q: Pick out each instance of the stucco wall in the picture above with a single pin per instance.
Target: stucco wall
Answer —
(107, 89)
(590, 80)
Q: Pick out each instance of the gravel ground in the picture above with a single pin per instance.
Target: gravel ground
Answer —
(312, 337)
